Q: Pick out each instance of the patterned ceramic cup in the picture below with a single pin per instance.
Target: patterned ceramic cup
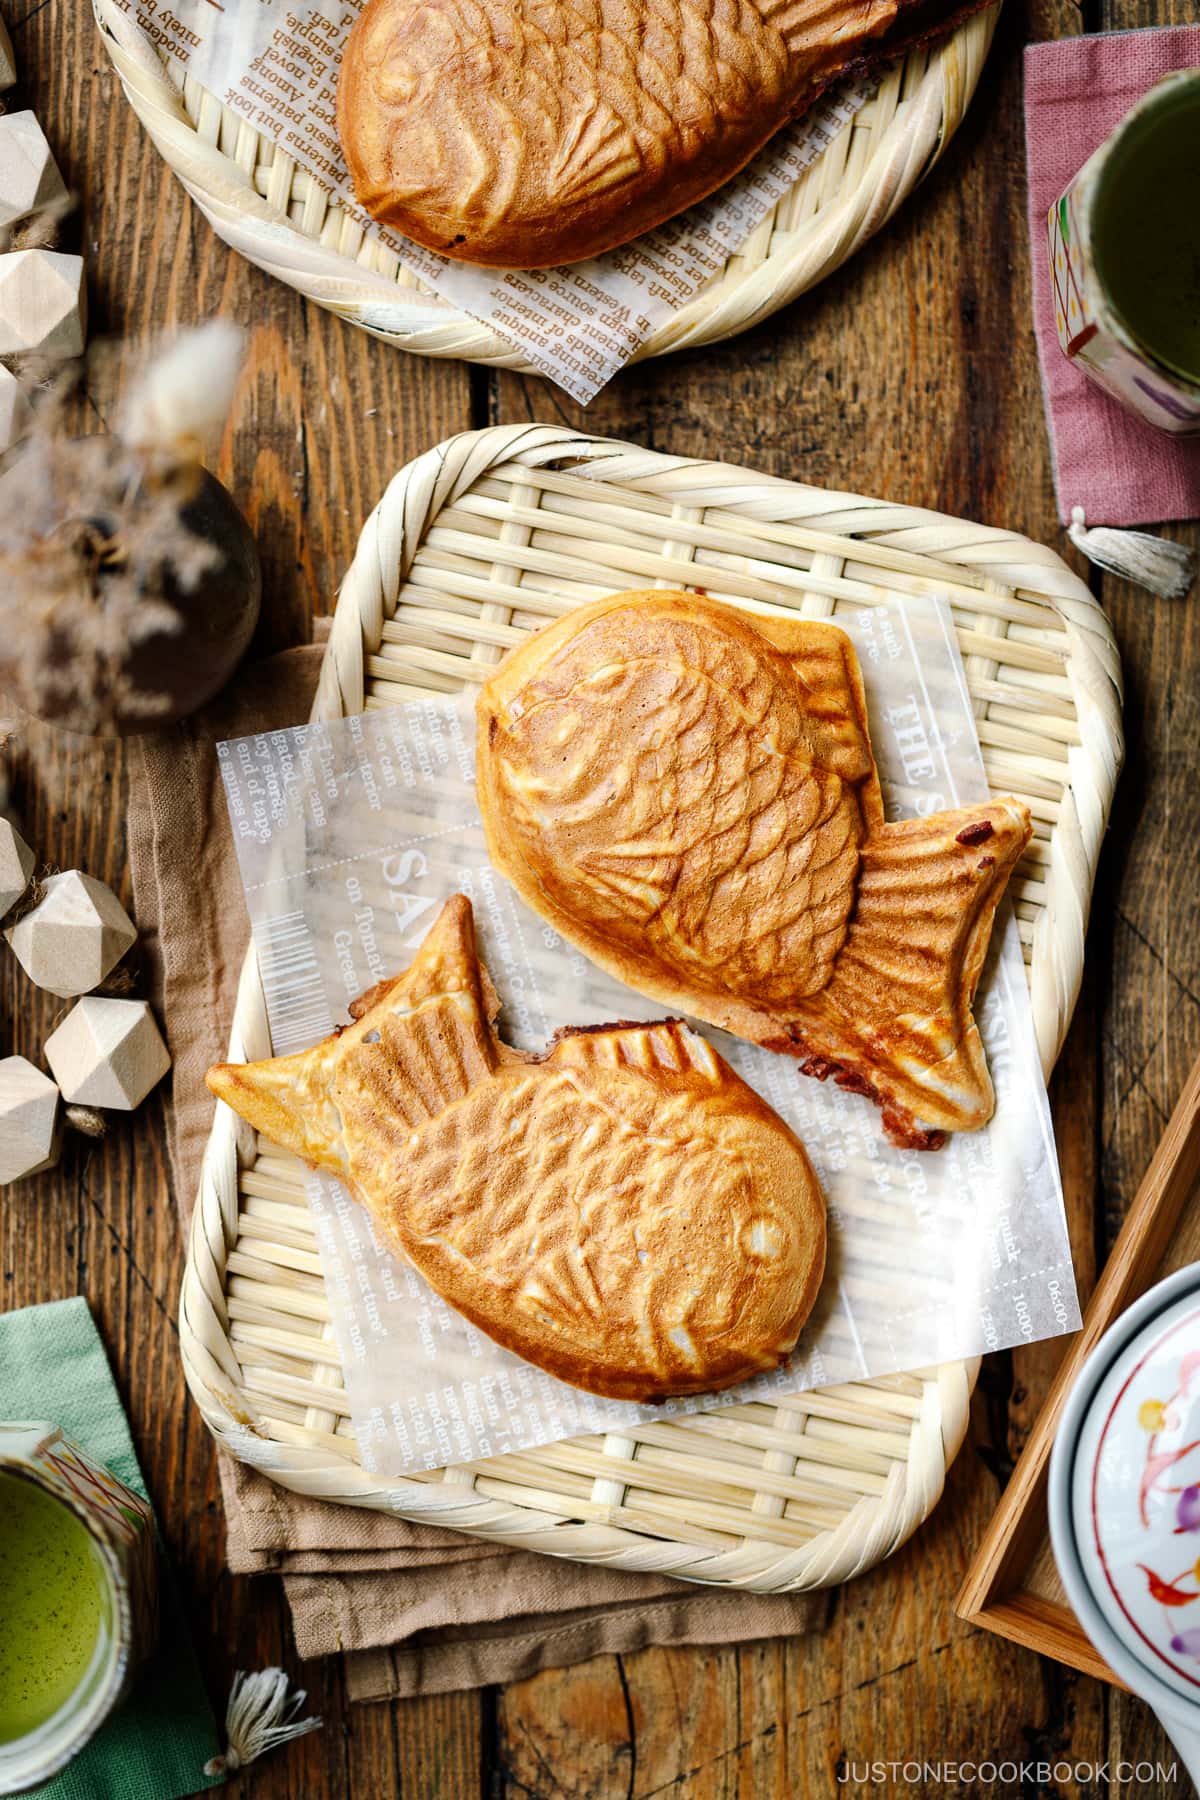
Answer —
(1124, 1502)
(120, 1528)
(1123, 243)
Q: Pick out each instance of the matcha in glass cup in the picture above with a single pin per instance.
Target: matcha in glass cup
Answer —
(1125, 259)
(78, 1580)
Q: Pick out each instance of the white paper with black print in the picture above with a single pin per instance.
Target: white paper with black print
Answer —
(351, 835)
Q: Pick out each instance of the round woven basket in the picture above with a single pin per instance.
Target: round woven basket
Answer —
(474, 544)
(269, 210)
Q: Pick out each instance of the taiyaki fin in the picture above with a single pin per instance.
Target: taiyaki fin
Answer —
(597, 152)
(896, 1019)
(665, 1045)
(804, 25)
(622, 1211)
(432, 1023)
(823, 660)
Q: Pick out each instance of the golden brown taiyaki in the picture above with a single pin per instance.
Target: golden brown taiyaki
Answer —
(523, 133)
(687, 792)
(623, 1211)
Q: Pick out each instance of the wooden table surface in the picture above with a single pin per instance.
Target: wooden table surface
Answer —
(910, 374)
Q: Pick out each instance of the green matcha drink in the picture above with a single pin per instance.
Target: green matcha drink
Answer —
(1146, 231)
(53, 1605)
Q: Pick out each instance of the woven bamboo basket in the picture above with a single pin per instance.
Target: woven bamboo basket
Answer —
(269, 210)
(473, 545)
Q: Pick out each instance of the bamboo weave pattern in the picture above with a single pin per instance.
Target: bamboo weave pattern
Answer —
(472, 545)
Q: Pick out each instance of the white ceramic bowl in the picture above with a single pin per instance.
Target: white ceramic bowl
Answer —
(1124, 1502)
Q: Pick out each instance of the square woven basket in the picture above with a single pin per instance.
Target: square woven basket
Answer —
(473, 545)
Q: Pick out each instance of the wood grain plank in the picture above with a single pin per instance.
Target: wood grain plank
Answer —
(1015, 1562)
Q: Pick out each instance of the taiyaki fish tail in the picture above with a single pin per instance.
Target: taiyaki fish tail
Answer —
(416, 1044)
(895, 1020)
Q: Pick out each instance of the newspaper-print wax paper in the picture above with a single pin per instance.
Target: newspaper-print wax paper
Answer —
(276, 66)
(351, 835)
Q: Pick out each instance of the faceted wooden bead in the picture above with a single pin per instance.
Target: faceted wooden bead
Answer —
(16, 865)
(29, 1122)
(16, 414)
(8, 62)
(73, 937)
(29, 176)
(107, 1053)
(43, 304)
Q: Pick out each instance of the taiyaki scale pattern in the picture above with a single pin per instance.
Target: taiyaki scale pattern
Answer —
(623, 1211)
(688, 792)
(526, 133)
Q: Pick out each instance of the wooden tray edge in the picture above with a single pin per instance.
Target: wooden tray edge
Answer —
(992, 1596)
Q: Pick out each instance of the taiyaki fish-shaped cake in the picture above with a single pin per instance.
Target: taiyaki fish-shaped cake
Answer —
(523, 133)
(623, 1211)
(687, 792)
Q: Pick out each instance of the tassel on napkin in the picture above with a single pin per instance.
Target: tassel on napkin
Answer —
(261, 1714)
(1164, 568)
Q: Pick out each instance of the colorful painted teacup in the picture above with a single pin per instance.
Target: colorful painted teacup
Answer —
(1124, 1502)
(1125, 259)
(78, 1596)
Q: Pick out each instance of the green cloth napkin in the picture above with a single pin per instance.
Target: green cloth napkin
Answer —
(154, 1747)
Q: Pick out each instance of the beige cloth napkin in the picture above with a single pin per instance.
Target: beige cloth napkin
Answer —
(405, 1602)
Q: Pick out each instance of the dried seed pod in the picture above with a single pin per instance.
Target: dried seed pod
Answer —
(132, 580)
(139, 590)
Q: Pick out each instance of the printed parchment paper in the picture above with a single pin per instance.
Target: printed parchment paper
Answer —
(349, 837)
(276, 66)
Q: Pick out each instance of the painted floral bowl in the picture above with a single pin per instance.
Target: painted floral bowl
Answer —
(1125, 1502)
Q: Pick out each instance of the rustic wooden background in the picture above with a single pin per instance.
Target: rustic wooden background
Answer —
(910, 374)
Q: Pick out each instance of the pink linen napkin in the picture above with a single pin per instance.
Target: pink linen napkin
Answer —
(1120, 471)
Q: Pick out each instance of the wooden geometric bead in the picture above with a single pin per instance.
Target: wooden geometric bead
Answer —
(75, 934)
(28, 1120)
(8, 62)
(16, 865)
(43, 304)
(107, 1053)
(29, 177)
(16, 414)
